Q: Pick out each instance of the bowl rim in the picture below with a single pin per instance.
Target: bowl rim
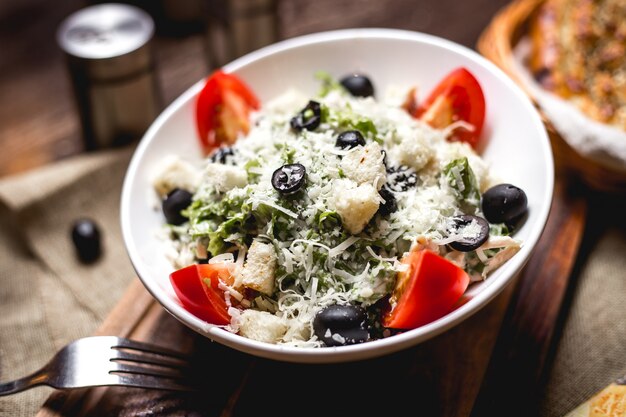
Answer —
(373, 348)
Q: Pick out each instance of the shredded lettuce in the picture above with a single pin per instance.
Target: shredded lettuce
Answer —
(328, 84)
(328, 220)
(499, 229)
(462, 180)
(347, 119)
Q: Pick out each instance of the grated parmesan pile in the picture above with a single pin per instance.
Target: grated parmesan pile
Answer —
(319, 260)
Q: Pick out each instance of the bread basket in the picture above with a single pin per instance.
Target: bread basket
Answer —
(497, 43)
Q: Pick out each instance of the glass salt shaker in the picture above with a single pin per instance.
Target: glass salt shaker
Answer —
(110, 60)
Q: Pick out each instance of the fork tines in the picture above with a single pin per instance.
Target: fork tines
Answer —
(148, 365)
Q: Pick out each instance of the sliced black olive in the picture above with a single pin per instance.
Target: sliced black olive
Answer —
(350, 139)
(401, 178)
(390, 204)
(289, 178)
(86, 239)
(504, 203)
(384, 153)
(176, 201)
(309, 117)
(346, 322)
(472, 239)
(220, 154)
(358, 85)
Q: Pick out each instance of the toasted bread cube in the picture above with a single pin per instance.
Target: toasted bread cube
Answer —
(176, 173)
(261, 326)
(225, 177)
(259, 268)
(356, 205)
(413, 151)
(364, 165)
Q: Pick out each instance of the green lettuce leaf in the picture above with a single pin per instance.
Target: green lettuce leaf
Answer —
(461, 178)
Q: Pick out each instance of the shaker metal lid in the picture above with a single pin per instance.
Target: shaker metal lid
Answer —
(105, 31)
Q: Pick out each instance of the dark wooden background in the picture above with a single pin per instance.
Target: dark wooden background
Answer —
(38, 121)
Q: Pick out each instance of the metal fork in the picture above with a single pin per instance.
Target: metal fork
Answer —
(109, 360)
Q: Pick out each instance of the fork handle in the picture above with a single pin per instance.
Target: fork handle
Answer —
(11, 387)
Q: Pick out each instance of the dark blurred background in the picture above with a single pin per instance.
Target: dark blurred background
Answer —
(38, 119)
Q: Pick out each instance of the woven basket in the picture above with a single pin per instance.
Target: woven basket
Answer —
(496, 43)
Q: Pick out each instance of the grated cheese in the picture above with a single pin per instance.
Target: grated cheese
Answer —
(341, 248)
(277, 207)
(459, 124)
(222, 258)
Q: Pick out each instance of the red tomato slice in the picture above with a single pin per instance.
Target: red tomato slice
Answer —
(427, 291)
(197, 289)
(457, 97)
(223, 109)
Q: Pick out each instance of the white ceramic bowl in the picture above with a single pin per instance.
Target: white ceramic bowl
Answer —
(516, 146)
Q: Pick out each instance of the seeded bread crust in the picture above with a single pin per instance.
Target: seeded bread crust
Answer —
(579, 53)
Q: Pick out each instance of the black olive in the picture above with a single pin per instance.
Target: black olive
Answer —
(220, 154)
(358, 85)
(401, 178)
(345, 321)
(473, 242)
(176, 201)
(309, 117)
(390, 204)
(86, 238)
(504, 203)
(350, 139)
(289, 178)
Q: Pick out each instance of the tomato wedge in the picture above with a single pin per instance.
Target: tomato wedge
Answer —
(428, 290)
(457, 97)
(223, 109)
(197, 288)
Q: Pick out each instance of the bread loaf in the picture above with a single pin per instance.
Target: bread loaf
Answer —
(579, 53)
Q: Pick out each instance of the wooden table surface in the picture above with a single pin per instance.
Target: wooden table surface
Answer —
(38, 120)
(39, 124)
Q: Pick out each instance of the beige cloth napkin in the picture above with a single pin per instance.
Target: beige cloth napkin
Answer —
(591, 351)
(48, 298)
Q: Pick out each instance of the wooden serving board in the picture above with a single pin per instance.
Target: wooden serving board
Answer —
(441, 377)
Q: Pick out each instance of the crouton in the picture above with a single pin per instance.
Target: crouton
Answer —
(356, 205)
(225, 177)
(176, 173)
(261, 326)
(414, 152)
(364, 165)
(259, 268)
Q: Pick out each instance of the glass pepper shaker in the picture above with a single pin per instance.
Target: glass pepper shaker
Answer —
(110, 60)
